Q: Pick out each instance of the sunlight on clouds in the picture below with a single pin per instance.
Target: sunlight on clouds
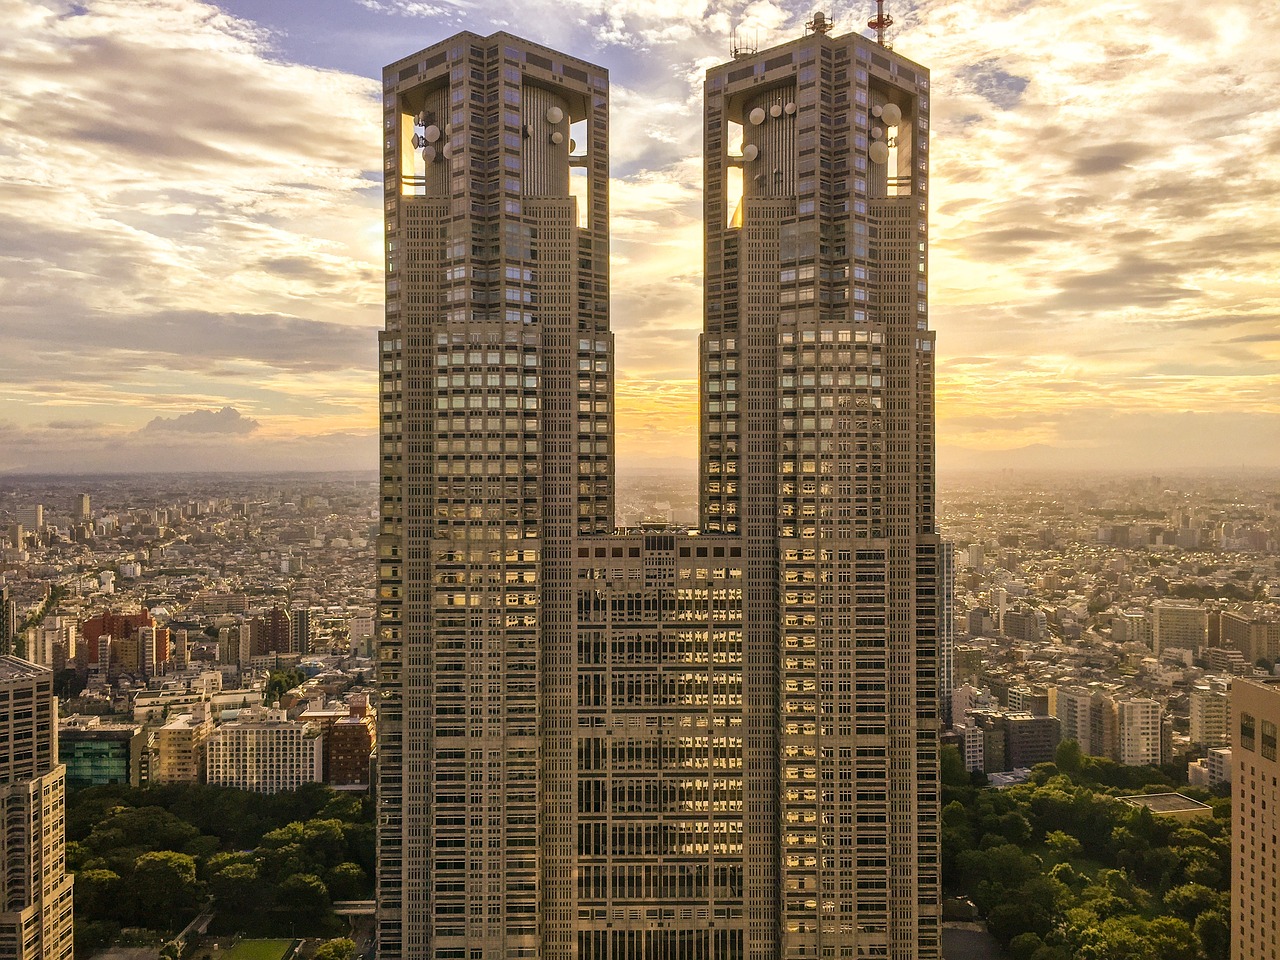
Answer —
(196, 216)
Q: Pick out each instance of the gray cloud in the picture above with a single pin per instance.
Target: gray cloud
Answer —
(226, 420)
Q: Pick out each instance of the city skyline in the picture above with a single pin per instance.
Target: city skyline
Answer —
(208, 243)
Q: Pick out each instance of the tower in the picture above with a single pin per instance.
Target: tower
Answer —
(496, 452)
(817, 455)
(603, 745)
(35, 888)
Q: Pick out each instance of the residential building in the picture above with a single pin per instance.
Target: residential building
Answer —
(180, 747)
(351, 742)
(264, 751)
(1210, 710)
(1255, 634)
(1138, 729)
(1178, 624)
(35, 888)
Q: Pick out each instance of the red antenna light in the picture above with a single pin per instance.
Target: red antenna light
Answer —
(880, 23)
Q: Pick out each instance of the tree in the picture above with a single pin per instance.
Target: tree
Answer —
(341, 949)
(305, 896)
(954, 773)
(347, 881)
(98, 893)
(1213, 931)
(1068, 757)
(1062, 845)
(164, 884)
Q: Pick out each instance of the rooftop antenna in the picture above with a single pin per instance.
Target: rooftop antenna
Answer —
(880, 23)
(740, 49)
(819, 23)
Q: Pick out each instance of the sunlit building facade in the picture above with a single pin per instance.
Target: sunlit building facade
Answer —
(609, 744)
(818, 456)
(1255, 798)
(496, 455)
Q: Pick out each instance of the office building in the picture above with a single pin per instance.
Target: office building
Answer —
(496, 452)
(817, 455)
(1255, 818)
(601, 744)
(1181, 625)
(35, 888)
(31, 517)
(84, 511)
(303, 626)
(96, 752)
(264, 751)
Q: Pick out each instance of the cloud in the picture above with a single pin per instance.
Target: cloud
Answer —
(191, 221)
(226, 420)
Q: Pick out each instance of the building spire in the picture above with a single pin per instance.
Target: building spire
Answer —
(880, 23)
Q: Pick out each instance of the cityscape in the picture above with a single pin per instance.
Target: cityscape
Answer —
(731, 611)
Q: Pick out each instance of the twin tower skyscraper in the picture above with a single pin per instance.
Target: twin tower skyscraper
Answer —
(657, 744)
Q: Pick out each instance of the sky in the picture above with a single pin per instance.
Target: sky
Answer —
(190, 235)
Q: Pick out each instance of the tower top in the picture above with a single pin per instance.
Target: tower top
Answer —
(819, 23)
(880, 23)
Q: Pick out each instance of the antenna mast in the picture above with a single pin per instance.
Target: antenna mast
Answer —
(880, 23)
(819, 23)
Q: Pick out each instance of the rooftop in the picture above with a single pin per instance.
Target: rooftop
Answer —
(15, 668)
(1168, 803)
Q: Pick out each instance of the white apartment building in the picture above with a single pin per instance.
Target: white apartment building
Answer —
(1211, 712)
(1138, 732)
(264, 751)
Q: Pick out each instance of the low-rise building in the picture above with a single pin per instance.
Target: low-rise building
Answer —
(98, 752)
(264, 751)
(180, 747)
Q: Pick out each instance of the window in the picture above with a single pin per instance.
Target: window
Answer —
(1247, 725)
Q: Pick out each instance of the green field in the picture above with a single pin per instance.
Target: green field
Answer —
(256, 950)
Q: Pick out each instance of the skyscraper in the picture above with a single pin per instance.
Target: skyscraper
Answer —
(35, 888)
(497, 451)
(817, 456)
(657, 743)
(1255, 870)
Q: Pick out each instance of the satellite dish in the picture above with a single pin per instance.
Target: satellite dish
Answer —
(756, 116)
(790, 108)
(557, 138)
(775, 110)
(877, 133)
(876, 110)
(431, 134)
(448, 129)
(892, 114)
(417, 141)
(750, 152)
(429, 154)
(573, 145)
(554, 115)
(447, 151)
(421, 119)
(878, 152)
